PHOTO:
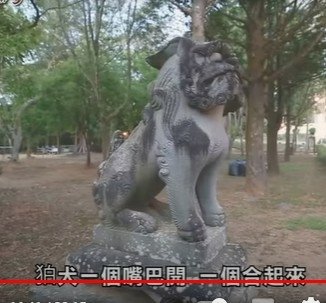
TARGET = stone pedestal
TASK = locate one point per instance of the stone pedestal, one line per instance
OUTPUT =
(163, 244)
(119, 247)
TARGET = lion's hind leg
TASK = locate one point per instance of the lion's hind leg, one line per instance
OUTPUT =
(113, 212)
(119, 202)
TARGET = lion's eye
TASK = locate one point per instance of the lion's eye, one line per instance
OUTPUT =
(208, 82)
(216, 57)
(200, 59)
(220, 78)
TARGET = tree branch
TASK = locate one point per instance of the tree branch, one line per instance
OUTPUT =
(243, 5)
(86, 32)
(99, 17)
(282, 36)
(117, 110)
(71, 46)
(184, 9)
(231, 17)
(303, 53)
(24, 106)
(39, 15)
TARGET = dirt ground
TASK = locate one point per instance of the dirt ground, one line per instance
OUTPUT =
(47, 211)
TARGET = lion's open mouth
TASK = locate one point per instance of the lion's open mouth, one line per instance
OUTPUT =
(203, 103)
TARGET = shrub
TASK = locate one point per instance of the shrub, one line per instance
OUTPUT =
(321, 154)
(312, 131)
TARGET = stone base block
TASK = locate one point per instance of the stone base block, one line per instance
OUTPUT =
(93, 257)
(163, 244)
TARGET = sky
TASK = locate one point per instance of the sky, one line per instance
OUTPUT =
(175, 28)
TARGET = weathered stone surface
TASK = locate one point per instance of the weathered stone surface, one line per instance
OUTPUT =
(93, 257)
(179, 144)
(164, 244)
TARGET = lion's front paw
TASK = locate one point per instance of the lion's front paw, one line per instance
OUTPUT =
(215, 219)
(196, 235)
(145, 226)
(137, 221)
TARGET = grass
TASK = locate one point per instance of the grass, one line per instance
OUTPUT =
(314, 223)
(321, 154)
(301, 182)
(294, 167)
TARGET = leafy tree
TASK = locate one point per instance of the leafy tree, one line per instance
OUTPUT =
(197, 10)
(17, 37)
(269, 28)
(104, 38)
(19, 86)
(143, 75)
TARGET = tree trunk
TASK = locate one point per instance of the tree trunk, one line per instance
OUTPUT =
(242, 150)
(272, 153)
(88, 151)
(307, 137)
(274, 115)
(58, 143)
(82, 146)
(227, 126)
(17, 140)
(198, 20)
(76, 142)
(9, 140)
(28, 147)
(17, 134)
(256, 180)
(295, 138)
(88, 158)
(105, 140)
(287, 152)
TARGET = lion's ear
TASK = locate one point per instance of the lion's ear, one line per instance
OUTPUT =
(177, 45)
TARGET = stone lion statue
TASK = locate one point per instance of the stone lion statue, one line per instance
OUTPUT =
(178, 144)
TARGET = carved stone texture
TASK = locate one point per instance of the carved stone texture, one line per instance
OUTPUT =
(164, 244)
(93, 257)
(179, 143)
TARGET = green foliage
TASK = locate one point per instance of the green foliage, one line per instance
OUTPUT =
(302, 101)
(16, 36)
(143, 75)
(80, 82)
(321, 154)
(312, 131)
(221, 26)
(150, 22)
(315, 223)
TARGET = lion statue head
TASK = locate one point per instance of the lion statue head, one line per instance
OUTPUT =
(209, 73)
